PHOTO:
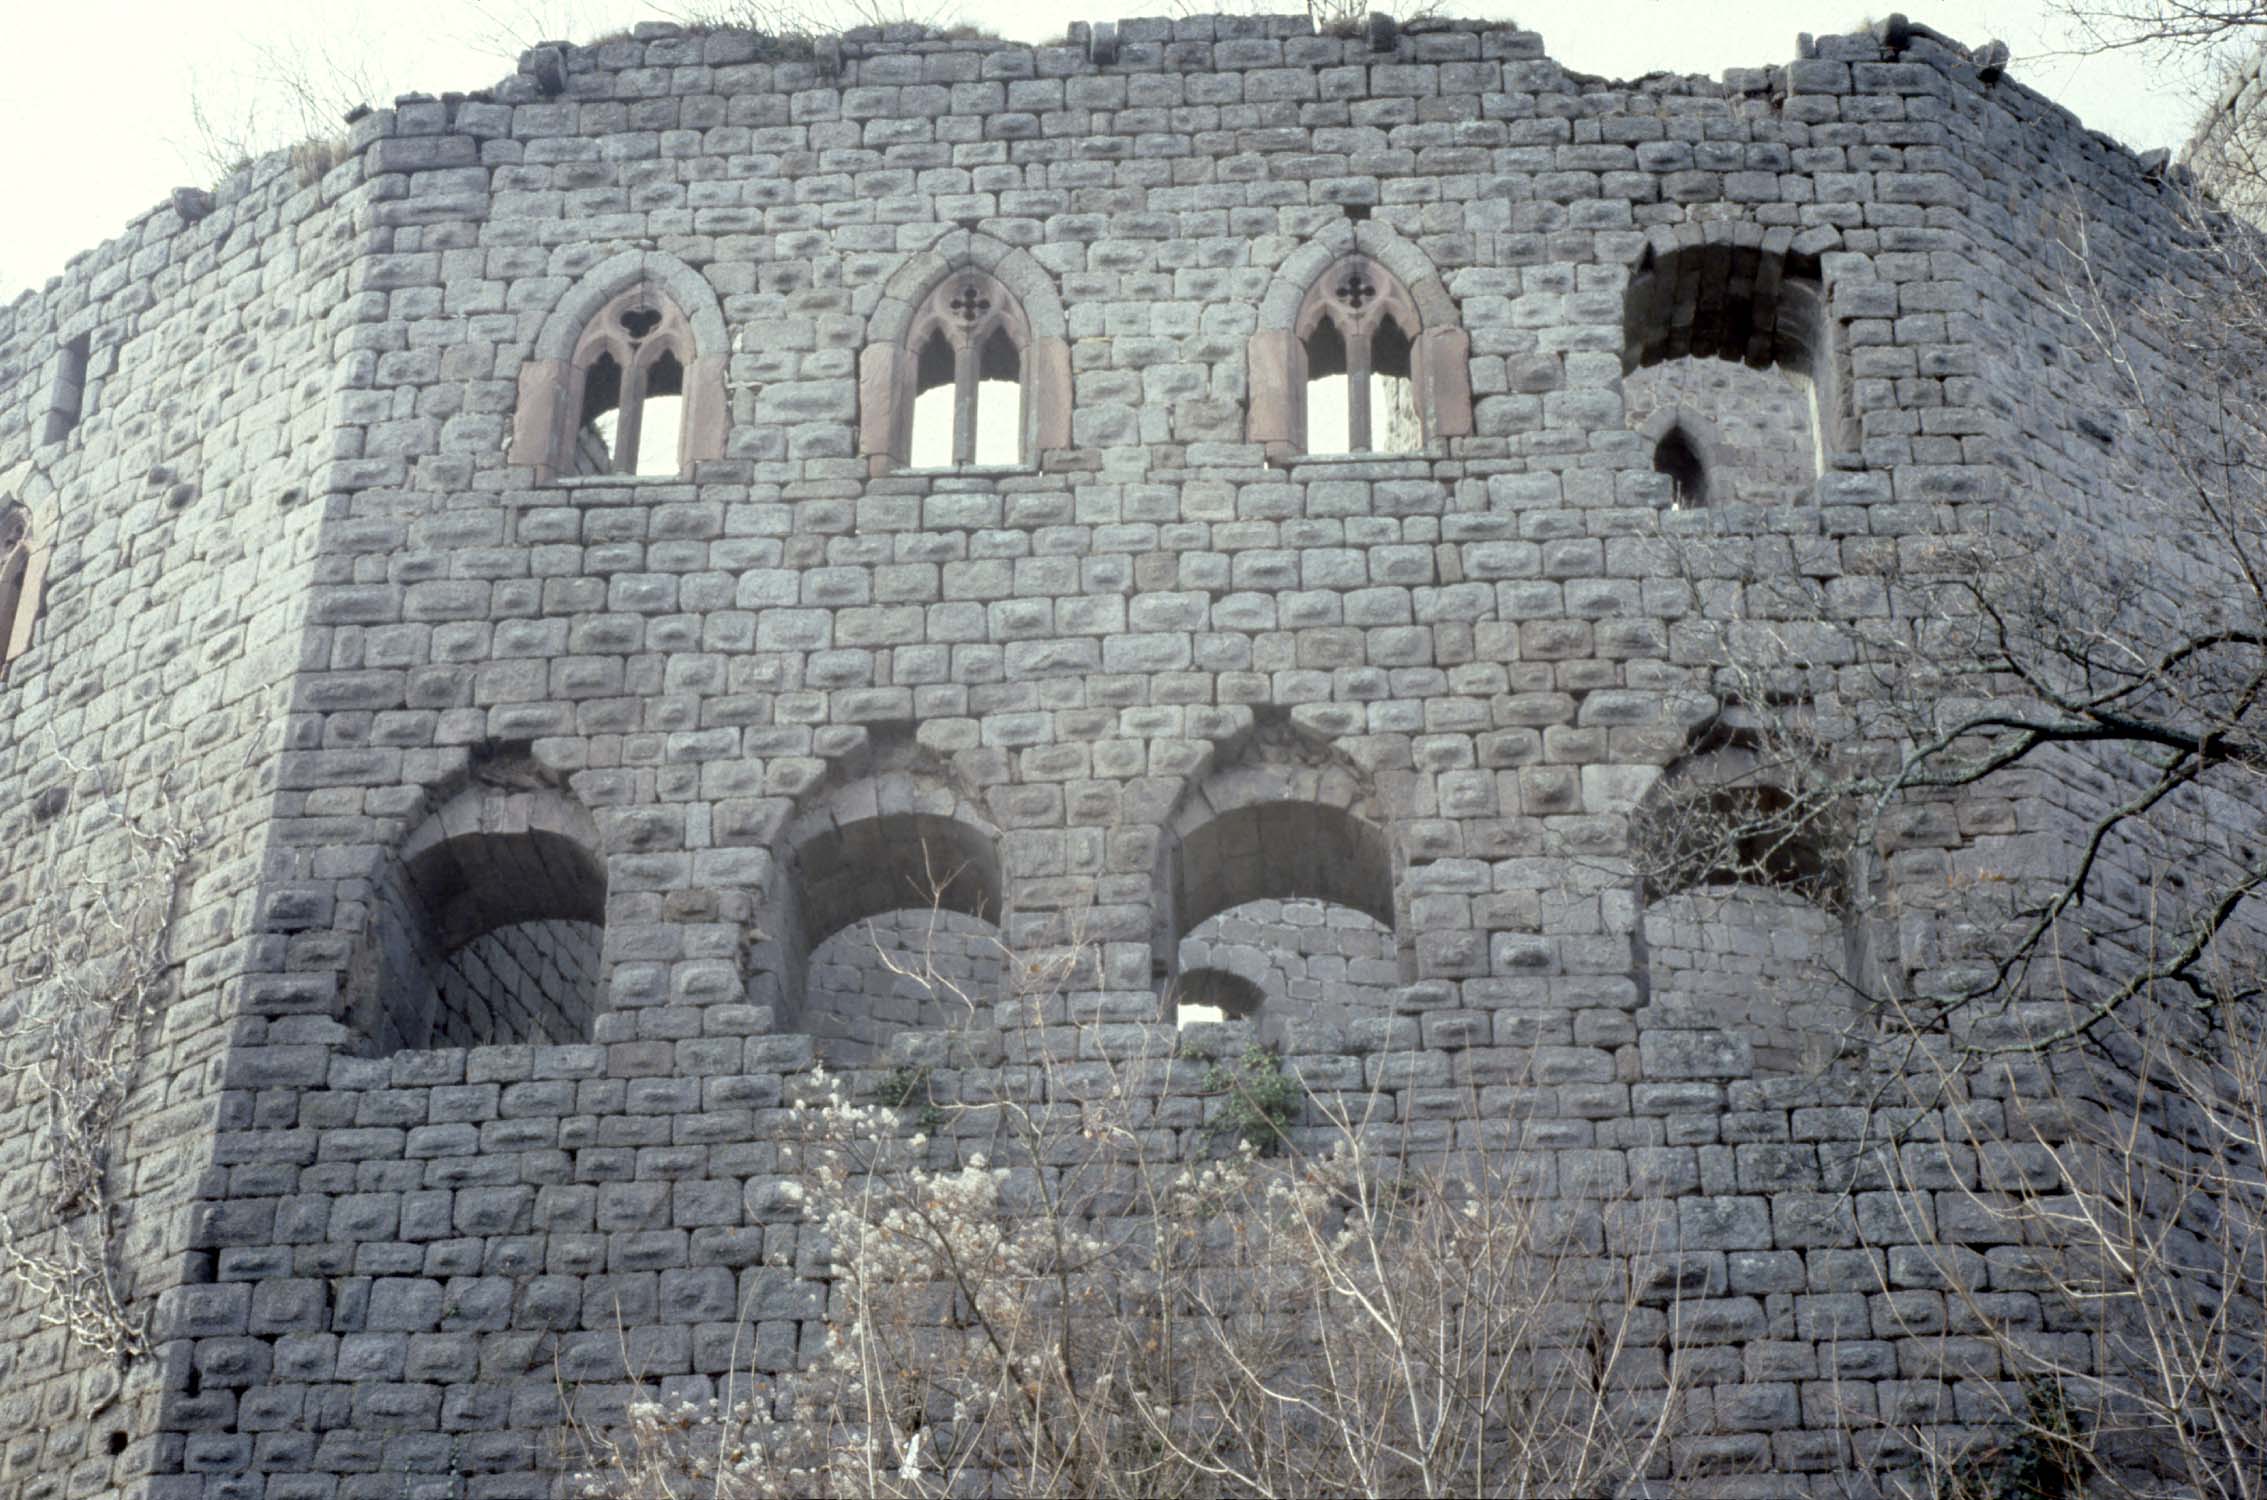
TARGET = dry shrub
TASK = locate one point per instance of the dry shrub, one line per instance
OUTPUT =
(1041, 1299)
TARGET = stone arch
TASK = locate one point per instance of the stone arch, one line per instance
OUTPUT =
(489, 922)
(1273, 833)
(27, 547)
(1025, 308)
(1753, 297)
(885, 907)
(687, 327)
(1751, 954)
(1237, 996)
(1408, 293)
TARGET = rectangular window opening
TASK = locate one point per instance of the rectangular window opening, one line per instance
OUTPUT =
(67, 403)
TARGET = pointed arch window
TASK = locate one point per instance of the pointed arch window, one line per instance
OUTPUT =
(627, 378)
(967, 360)
(1677, 457)
(1356, 333)
(22, 571)
(628, 388)
(1359, 360)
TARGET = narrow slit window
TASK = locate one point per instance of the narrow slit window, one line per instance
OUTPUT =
(934, 400)
(600, 429)
(66, 404)
(1675, 456)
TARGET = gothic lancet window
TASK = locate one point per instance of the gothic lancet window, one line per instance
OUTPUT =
(1357, 330)
(970, 346)
(1358, 351)
(628, 375)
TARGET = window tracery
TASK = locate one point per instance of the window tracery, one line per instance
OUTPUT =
(969, 347)
(629, 388)
(1365, 360)
(626, 377)
(1358, 328)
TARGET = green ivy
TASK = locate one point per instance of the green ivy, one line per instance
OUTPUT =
(1262, 1100)
(2042, 1462)
(906, 1085)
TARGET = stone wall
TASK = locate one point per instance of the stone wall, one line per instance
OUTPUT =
(167, 417)
(331, 576)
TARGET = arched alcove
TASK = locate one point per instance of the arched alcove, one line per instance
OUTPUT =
(884, 916)
(1276, 868)
(489, 926)
(1752, 958)
(1269, 959)
(1728, 328)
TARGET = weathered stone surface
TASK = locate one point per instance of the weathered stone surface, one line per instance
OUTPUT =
(554, 821)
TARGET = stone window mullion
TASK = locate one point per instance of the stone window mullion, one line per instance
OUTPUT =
(1358, 390)
(629, 418)
(967, 371)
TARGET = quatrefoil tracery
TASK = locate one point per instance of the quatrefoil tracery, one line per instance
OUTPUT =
(969, 303)
(1356, 288)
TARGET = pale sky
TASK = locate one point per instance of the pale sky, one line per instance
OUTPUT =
(97, 121)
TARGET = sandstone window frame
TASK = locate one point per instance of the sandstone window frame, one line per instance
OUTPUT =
(15, 579)
(967, 289)
(1356, 276)
(630, 314)
(27, 532)
(969, 317)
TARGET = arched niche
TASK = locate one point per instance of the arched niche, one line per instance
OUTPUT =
(1355, 315)
(1727, 327)
(1269, 960)
(489, 925)
(1753, 959)
(639, 338)
(884, 917)
(1276, 866)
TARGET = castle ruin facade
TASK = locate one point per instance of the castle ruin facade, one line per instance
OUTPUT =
(578, 580)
